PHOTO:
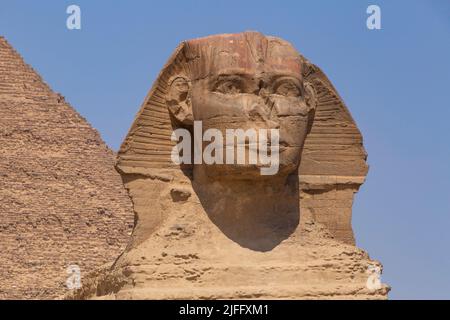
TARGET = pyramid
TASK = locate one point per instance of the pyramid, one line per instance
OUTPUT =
(61, 201)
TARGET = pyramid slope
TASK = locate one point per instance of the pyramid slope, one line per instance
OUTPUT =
(61, 200)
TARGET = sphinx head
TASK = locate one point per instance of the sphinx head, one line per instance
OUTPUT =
(248, 91)
(242, 81)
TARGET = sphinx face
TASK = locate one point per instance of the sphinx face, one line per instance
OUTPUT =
(252, 84)
(256, 86)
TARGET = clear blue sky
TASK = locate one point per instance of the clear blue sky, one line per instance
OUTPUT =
(396, 82)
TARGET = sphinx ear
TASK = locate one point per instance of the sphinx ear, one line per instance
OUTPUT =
(178, 99)
(310, 95)
(311, 101)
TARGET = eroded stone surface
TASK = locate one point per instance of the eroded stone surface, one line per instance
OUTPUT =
(238, 234)
(61, 201)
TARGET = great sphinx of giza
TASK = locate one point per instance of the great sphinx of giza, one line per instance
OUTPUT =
(224, 230)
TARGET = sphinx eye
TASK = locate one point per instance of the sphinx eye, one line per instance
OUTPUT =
(230, 86)
(288, 88)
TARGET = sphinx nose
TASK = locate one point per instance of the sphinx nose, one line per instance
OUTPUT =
(257, 106)
(258, 110)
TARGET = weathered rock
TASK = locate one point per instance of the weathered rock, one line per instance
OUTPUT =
(240, 234)
(61, 200)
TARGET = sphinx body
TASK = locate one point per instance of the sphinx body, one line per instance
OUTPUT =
(218, 231)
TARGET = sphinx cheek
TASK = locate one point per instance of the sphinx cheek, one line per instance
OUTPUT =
(292, 115)
(293, 130)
